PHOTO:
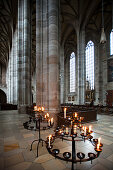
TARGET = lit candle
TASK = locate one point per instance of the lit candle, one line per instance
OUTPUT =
(49, 140)
(75, 129)
(52, 120)
(98, 146)
(35, 108)
(83, 128)
(42, 108)
(75, 114)
(89, 128)
(66, 130)
(64, 112)
(47, 114)
(38, 108)
(99, 141)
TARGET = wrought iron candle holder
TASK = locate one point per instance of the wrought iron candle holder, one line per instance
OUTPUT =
(39, 119)
(76, 133)
(33, 123)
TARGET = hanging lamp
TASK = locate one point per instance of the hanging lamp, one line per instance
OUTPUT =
(103, 36)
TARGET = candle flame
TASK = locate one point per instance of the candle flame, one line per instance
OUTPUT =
(42, 108)
(35, 108)
(50, 136)
(75, 114)
(47, 114)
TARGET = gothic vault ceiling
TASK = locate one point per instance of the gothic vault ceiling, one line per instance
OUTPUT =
(74, 15)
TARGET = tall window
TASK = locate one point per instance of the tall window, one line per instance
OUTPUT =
(111, 42)
(90, 64)
(72, 72)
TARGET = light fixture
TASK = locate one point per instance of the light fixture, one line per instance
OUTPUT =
(103, 36)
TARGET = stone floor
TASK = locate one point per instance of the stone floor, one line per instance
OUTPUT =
(15, 144)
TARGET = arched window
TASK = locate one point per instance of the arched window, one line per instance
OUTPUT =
(111, 42)
(72, 72)
(90, 64)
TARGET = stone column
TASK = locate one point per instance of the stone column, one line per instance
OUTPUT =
(0, 73)
(41, 53)
(81, 66)
(15, 71)
(47, 55)
(12, 70)
(102, 74)
(54, 99)
(24, 55)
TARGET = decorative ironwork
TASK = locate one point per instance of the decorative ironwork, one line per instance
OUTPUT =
(75, 133)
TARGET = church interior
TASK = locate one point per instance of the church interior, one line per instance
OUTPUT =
(56, 84)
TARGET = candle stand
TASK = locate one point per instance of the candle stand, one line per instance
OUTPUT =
(76, 134)
(39, 119)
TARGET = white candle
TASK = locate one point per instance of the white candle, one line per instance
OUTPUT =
(52, 120)
(47, 114)
(64, 112)
(35, 108)
(42, 108)
(99, 141)
(49, 140)
(75, 130)
(66, 130)
(89, 128)
(98, 146)
(83, 128)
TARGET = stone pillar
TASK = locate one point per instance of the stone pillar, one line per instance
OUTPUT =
(0, 73)
(102, 74)
(54, 99)
(12, 70)
(47, 55)
(81, 66)
(41, 53)
(24, 55)
(15, 69)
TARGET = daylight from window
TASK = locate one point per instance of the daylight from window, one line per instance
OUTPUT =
(90, 64)
(111, 42)
(72, 72)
